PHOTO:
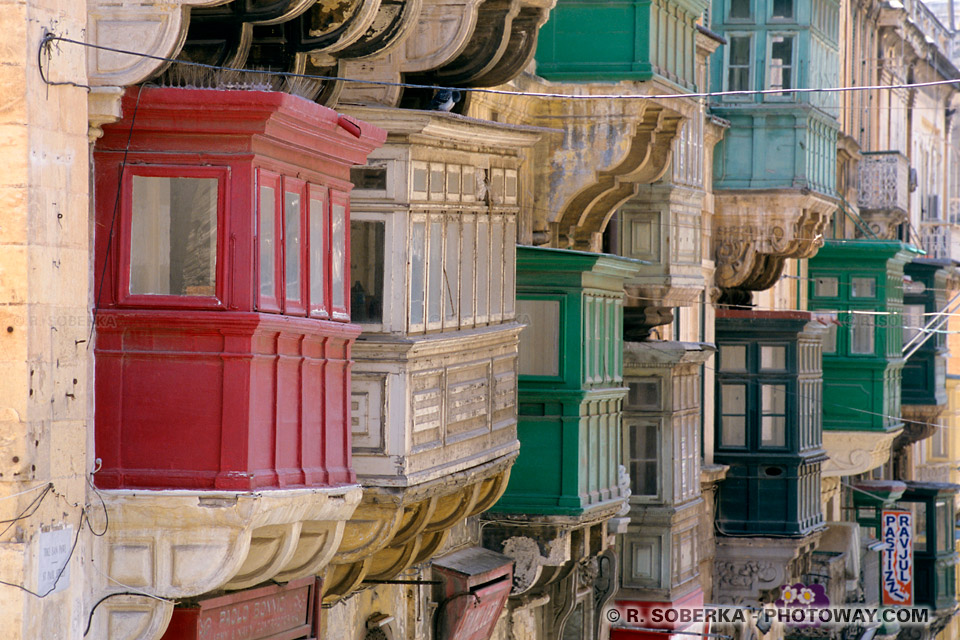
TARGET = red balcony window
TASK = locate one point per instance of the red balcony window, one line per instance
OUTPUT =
(223, 335)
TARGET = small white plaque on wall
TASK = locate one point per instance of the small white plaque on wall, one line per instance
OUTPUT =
(54, 556)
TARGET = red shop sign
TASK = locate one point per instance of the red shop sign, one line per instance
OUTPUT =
(275, 612)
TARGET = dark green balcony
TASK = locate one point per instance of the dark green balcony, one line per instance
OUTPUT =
(571, 386)
(934, 554)
(614, 40)
(768, 428)
(925, 371)
(862, 282)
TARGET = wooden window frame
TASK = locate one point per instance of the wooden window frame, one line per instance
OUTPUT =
(318, 308)
(298, 187)
(341, 313)
(267, 178)
(124, 234)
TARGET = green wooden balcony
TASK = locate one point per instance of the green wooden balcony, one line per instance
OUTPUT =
(925, 372)
(862, 281)
(571, 386)
(614, 40)
(768, 422)
(934, 555)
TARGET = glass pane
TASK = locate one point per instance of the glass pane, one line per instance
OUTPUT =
(781, 62)
(825, 287)
(734, 398)
(739, 79)
(919, 526)
(773, 431)
(861, 332)
(773, 358)
(739, 50)
(863, 287)
(418, 247)
(173, 236)
(435, 290)
(509, 267)
(733, 357)
(291, 241)
(483, 267)
(451, 271)
(944, 515)
(468, 239)
(496, 267)
(366, 271)
(268, 263)
(740, 8)
(643, 459)
(830, 339)
(773, 398)
(539, 350)
(317, 254)
(782, 8)
(644, 394)
(338, 241)
(913, 321)
(733, 431)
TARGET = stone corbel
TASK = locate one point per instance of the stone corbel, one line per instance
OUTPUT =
(756, 232)
(103, 107)
(746, 568)
(180, 544)
(585, 197)
(157, 28)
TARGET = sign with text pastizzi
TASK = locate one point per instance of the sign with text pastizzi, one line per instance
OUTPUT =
(896, 565)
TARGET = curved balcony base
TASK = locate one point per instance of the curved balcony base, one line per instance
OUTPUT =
(854, 452)
(745, 568)
(178, 544)
(395, 528)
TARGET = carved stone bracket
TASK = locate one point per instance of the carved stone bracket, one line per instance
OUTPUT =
(145, 26)
(757, 231)
(177, 544)
(747, 568)
(854, 452)
(394, 528)
(919, 423)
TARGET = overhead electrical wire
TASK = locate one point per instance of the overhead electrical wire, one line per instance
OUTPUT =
(49, 38)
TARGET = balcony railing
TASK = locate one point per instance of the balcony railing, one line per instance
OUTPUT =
(939, 240)
(884, 182)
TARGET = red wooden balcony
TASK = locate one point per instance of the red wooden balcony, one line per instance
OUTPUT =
(223, 333)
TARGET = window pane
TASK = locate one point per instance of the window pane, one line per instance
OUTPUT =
(913, 321)
(773, 431)
(781, 62)
(740, 8)
(435, 290)
(734, 398)
(173, 236)
(739, 50)
(861, 332)
(944, 515)
(782, 8)
(267, 242)
(773, 358)
(825, 287)
(366, 271)
(467, 268)
(539, 350)
(830, 339)
(291, 241)
(483, 266)
(733, 358)
(733, 431)
(773, 398)
(496, 267)
(338, 214)
(863, 287)
(644, 394)
(418, 247)
(643, 460)
(317, 253)
(509, 267)
(451, 271)
(919, 526)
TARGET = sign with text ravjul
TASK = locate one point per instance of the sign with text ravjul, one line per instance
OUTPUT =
(896, 566)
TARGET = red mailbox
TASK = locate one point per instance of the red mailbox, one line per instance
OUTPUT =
(274, 612)
(474, 585)
(223, 334)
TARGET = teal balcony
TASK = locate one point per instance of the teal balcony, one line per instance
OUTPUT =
(934, 556)
(925, 371)
(614, 40)
(571, 387)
